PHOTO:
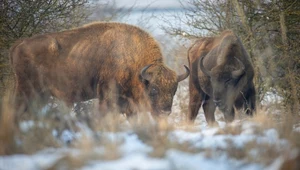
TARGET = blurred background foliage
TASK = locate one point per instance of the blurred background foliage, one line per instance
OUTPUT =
(269, 30)
(23, 18)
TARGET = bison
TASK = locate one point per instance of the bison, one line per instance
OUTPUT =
(120, 64)
(221, 76)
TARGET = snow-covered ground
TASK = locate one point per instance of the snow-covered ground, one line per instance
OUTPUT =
(245, 144)
(241, 145)
(207, 149)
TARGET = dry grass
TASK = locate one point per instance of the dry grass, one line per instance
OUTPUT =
(268, 152)
(103, 142)
(157, 135)
(7, 129)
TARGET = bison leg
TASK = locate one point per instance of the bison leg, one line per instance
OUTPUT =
(247, 101)
(20, 103)
(29, 101)
(28, 94)
(127, 106)
(209, 111)
(194, 106)
(108, 98)
(252, 106)
(229, 114)
(196, 98)
(251, 101)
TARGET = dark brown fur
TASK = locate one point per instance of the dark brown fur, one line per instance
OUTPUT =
(99, 60)
(221, 55)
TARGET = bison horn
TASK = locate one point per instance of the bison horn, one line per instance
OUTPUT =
(203, 69)
(185, 75)
(144, 74)
(239, 72)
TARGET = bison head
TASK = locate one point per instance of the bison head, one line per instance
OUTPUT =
(224, 80)
(160, 85)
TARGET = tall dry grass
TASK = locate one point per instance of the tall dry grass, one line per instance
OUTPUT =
(102, 132)
(7, 127)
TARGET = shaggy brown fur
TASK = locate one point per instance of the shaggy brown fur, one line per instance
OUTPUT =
(224, 81)
(99, 60)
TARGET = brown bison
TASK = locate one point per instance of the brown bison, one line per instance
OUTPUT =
(119, 64)
(221, 76)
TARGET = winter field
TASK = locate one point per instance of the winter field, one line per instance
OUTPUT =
(59, 138)
(264, 142)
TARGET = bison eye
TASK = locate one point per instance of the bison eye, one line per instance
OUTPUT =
(153, 91)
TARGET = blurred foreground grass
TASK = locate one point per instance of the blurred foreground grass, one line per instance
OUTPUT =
(161, 136)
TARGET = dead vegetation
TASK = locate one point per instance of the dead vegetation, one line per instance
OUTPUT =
(7, 129)
(105, 141)
(102, 137)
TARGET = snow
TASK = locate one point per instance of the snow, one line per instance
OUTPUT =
(296, 127)
(132, 161)
(40, 160)
(187, 161)
(200, 147)
(133, 145)
(207, 149)
(210, 151)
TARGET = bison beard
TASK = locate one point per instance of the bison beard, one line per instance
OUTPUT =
(119, 64)
(221, 76)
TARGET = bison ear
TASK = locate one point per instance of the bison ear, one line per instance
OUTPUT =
(144, 74)
(185, 75)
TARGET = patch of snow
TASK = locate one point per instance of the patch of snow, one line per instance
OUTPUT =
(133, 161)
(296, 127)
(248, 128)
(25, 126)
(210, 131)
(67, 136)
(276, 164)
(212, 142)
(271, 97)
(135, 153)
(133, 145)
(181, 160)
(271, 134)
(38, 161)
(210, 148)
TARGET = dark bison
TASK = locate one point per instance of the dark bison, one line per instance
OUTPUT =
(119, 64)
(221, 76)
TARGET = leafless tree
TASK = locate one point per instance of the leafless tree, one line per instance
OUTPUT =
(268, 29)
(24, 18)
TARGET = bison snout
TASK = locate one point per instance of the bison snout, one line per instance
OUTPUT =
(165, 112)
(217, 102)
